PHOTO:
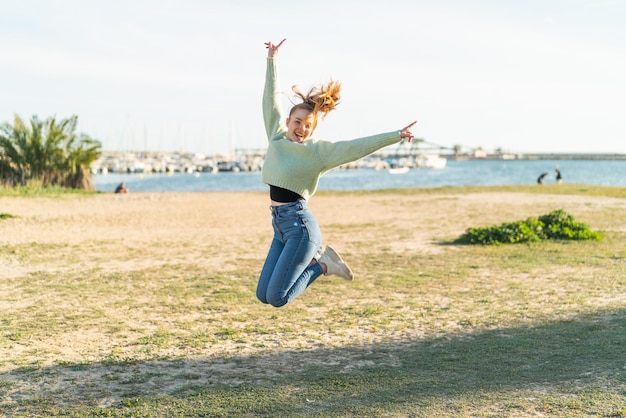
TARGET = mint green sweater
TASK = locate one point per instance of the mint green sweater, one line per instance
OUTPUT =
(298, 167)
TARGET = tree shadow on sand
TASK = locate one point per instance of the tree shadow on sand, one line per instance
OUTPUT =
(576, 358)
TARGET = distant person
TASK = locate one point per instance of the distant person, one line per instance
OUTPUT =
(121, 188)
(541, 177)
(559, 179)
(294, 163)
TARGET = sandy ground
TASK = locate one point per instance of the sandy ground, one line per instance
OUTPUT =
(232, 220)
(239, 223)
(210, 229)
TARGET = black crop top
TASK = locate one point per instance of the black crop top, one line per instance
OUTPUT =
(278, 194)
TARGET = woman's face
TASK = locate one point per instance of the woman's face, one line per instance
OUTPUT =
(300, 125)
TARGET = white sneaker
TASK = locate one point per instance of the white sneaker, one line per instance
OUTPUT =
(335, 264)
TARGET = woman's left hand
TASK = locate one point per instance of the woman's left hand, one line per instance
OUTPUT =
(406, 133)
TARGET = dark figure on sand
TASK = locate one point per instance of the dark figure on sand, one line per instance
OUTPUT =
(559, 179)
(541, 177)
(121, 188)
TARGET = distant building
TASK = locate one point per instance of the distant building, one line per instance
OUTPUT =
(479, 153)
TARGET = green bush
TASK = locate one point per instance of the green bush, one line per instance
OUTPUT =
(556, 225)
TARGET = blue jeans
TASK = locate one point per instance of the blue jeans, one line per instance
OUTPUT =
(297, 238)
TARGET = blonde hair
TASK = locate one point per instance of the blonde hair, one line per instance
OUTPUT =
(318, 99)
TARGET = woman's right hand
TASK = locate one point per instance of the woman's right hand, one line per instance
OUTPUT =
(272, 49)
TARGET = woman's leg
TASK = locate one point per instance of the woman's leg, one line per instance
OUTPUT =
(293, 272)
(297, 238)
(268, 268)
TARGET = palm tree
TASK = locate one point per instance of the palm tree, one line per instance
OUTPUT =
(47, 152)
(14, 146)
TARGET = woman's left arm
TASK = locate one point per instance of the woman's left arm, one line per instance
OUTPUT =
(334, 154)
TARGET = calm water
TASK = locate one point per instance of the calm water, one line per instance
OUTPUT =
(457, 173)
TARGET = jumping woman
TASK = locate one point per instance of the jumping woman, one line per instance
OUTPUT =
(294, 163)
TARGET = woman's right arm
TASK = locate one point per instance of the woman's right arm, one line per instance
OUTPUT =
(272, 109)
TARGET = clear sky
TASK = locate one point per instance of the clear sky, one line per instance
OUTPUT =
(187, 75)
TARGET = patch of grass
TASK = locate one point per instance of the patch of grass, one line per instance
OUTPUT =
(546, 189)
(158, 339)
(563, 368)
(36, 190)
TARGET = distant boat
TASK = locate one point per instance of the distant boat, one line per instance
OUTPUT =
(398, 170)
(228, 166)
(431, 161)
